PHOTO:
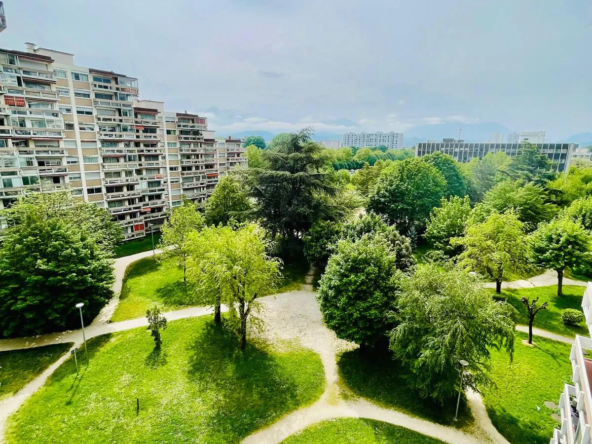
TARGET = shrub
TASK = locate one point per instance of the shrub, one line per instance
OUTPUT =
(571, 316)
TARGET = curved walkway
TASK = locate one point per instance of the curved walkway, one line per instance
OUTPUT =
(547, 279)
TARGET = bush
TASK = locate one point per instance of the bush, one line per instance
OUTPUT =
(571, 316)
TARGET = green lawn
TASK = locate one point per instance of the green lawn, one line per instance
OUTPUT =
(358, 430)
(19, 367)
(549, 319)
(200, 388)
(136, 246)
(536, 375)
(378, 377)
(148, 283)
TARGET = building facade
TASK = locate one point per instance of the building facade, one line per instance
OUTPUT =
(497, 138)
(332, 144)
(527, 136)
(575, 402)
(67, 127)
(461, 151)
(393, 141)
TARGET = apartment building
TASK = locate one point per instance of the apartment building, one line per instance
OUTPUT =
(497, 138)
(393, 141)
(527, 136)
(231, 154)
(68, 127)
(575, 402)
(332, 144)
(461, 151)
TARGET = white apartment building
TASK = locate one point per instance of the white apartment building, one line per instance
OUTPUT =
(332, 144)
(68, 127)
(575, 403)
(527, 136)
(393, 141)
(497, 138)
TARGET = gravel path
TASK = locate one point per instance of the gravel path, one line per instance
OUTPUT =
(545, 334)
(547, 279)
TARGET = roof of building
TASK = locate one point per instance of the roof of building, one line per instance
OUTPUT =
(111, 73)
(29, 55)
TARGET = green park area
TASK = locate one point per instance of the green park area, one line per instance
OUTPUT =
(358, 430)
(19, 367)
(516, 400)
(198, 387)
(137, 246)
(550, 318)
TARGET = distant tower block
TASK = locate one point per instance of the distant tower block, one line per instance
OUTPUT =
(2, 18)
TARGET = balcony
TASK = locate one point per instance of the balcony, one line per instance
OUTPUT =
(115, 119)
(121, 181)
(196, 126)
(146, 122)
(151, 137)
(122, 195)
(36, 75)
(190, 138)
(192, 162)
(125, 209)
(43, 95)
(587, 306)
(112, 103)
(53, 171)
(119, 166)
(115, 135)
(50, 153)
(29, 133)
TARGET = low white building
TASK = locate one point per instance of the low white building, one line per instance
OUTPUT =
(393, 141)
(331, 144)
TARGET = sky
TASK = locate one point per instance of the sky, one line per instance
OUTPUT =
(335, 65)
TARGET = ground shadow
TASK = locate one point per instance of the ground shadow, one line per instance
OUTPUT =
(156, 359)
(251, 389)
(175, 293)
(376, 376)
(516, 431)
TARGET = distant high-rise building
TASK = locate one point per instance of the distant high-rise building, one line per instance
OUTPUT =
(527, 136)
(497, 138)
(2, 18)
(332, 144)
(392, 140)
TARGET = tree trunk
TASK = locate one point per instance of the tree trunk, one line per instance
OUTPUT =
(498, 286)
(559, 282)
(217, 312)
(243, 325)
(185, 275)
(530, 322)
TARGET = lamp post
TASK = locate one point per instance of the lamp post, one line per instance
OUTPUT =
(79, 306)
(152, 234)
(463, 364)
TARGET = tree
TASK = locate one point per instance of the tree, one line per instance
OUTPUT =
(445, 315)
(575, 185)
(365, 178)
(529, 201)
(406, 193)
(255, 157)
(358, 290)
(531, 166)
(228, 202)
(580, 211)
(174, 242)
(257, 141)
(291, 194)
(156, 322)
(236, 264)
(558, 245)
(448, 221)
(494, 247)
(455, 181)
(49, 262)
(532, 309)
(320, 241)
(280, 139)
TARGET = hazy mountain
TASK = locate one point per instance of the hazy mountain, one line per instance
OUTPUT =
(583, 139)
(242, 134)
(472, 132)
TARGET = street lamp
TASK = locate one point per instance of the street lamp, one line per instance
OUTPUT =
(79, 307)
(152, 234)
(463, 364)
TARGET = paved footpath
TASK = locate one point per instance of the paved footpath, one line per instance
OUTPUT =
(547, 279)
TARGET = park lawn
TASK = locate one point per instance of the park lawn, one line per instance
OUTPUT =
(148, 282)
(358, 430)
(549, 319)
(536, 375)
(381, 379)
(19, 367)
(200, 388)
(136, 246)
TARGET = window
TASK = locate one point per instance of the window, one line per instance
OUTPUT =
(87, 127)
(72, 160)
(171, 144)
(115, 204)
(112, 174)
(101, 79)
(70, 143)
(171, 132)
(84, 111)
(109, 144)
(79, 77)
(96, 190)
(89, 144)
(69, 126)
(154, 184)
(82, 93)
(36, 86)
(173, 157)
(92, 175)
(172, 169)
(170, 119)
(104, 96)
(77, 192)
(60, 74)
(110, 160)
(90, 159)
(30, 180)
(75, 176)
(64, 92)
(65, 109)
(40, 105)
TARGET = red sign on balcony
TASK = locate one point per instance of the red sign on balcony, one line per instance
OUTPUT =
(212, 175)
(146, 210)
(14, 101)
(138, 227)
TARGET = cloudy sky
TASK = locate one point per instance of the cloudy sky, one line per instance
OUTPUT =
(336, 65)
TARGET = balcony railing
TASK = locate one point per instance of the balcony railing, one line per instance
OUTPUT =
(115, 119)
(120, 166)
(121, 180)
(113, 103)
(123, 195)
(61, 171)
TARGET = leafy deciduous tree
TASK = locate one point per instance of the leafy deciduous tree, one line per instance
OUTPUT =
(456, 183)
(257, 141)
(580, 211)
(532, 309)
(255, 157)
(531, 166)
(448, 221)
(228, 202)
(156, 322)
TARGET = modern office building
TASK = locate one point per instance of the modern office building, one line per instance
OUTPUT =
(332, 144)
(497, 138)
(462, 151)
(582, 153)
(527, 136)
(393, 141)
(575, 403)
(68, 127)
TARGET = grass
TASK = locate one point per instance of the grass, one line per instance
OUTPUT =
(549, 319)
(19, 367)
(536, 375)
(378, 377)
(293, 276)
(199, 388)
(136, 246)
(358, 430)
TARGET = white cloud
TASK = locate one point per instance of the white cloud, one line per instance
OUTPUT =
(255, 119)
(457, 118)
(432, 120)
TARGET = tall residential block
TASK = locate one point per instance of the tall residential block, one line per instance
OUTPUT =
(393, 141)
(68, 127)
(527, 136)
(461, 151)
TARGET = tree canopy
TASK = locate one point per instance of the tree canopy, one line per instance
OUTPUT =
(531, 166)
(257, 141)
(255, 157)
(405, 194)
(228, 202)
(447, 222)
(580, 211)
(445, 315)
(456, 183)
